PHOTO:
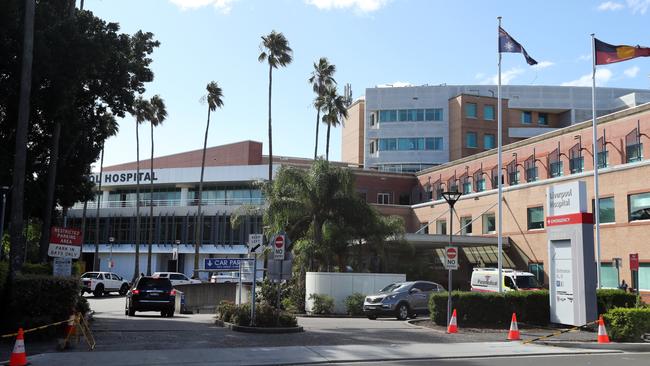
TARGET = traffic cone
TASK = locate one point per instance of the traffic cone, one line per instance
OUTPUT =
(453, 327)
(513, 334)
(69, 331)
(602, 332)
(18, 356)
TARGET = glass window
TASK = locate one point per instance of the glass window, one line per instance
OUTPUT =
(488, 112)
(513, 176)
(526, 117)
(372, 118)
(531, 173)
(465, 224)
(425, 227)
(433, 143)
(384, 198)
(644, 276)
(537, 269)
(607, 213)
(410, 144)
(603, 159)
(639, 206)
(467, 187)
(577, 164)
(388, 115)
(488, 141)
(403, 115)
(480, 184)
(557, 169)
(387, 144)
(441, 227)
(535, 218)
(470, 110)
(608, 275)
(470, 139)
(542, 119)
(634, 152)
(489, 223)
(433, 114)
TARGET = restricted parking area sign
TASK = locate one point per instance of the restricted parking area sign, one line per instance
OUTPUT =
(451, 258)
(64, 243)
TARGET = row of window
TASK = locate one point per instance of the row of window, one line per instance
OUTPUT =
(471, 140)
(408, 115)
(407, 144)
(471, 111)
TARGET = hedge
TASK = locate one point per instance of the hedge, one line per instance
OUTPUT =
(627, 325)
(265, 315)
(4, 272)
(609, 299)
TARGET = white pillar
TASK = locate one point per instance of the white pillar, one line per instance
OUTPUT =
(105, 198)
(184, 193)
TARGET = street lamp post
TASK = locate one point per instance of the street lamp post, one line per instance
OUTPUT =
(451, 198)
(111, 240)
(177, 242)
(4, 190)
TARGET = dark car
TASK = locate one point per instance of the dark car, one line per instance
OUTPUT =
(151, 294)
(402, 300)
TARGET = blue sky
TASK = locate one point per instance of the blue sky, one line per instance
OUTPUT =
(371, 42)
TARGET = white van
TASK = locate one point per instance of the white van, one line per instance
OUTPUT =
(485, 280)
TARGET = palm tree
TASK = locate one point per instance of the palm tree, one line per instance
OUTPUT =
(335, 111)
(214, 99)
(276, 52)
(321, 78)
(158, 115)
(142, 111)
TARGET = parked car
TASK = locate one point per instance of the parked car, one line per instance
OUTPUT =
(402, 300)
(224, 277)
(176, 278)
(151, 294)
(100, 283)
(486, 280)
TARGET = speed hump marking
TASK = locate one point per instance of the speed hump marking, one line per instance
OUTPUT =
(451, 258)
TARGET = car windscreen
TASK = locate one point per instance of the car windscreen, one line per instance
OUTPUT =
(394, 287)
(524, 282)
(90, 275)
(154, 284)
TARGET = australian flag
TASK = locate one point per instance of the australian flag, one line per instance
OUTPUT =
(508, 44)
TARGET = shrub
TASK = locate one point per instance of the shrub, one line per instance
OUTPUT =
(267, 292)
(43, 269)
(4, 272)
(323, 304)
(354, 303)
(627, 325)
(610, 298)
(82, 306)
(265, 315)
(225, 310)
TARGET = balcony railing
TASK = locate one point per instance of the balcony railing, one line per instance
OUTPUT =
(173, 203)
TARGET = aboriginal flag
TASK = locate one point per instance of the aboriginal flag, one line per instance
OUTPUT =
(508, 44)
(609, 54)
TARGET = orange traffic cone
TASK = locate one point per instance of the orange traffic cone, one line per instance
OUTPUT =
(18, 356)
(69, 331)
(453, 326)
(602, 332)
(513, 334)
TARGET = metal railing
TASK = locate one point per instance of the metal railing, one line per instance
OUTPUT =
(172, 203)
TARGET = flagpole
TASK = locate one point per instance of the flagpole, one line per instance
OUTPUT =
(499, 177)
(595, 152)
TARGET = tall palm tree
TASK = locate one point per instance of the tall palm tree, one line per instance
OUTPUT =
(321, 78)
(336, 110)
(142, 111)
(158, 115)
(276, 52)
(214, 100)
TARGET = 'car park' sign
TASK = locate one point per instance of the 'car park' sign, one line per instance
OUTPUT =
(451, 258)
(64, 243)
(222, 264)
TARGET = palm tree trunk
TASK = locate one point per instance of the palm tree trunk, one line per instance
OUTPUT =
(16, 231)
(99, 205)
(150, 206)
(136, 270)
(317, 124)
(198, 236)
(51, 188)
(270, 131)
(327, 149)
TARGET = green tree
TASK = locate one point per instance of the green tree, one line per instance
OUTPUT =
(335, 111)
(214, 101)
(158, 116)
(276, 52)
(321, 78)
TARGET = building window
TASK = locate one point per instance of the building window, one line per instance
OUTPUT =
(388, 116)
(537, 269)
(470, 110)
(644, 276)
(577, 164)
(531, 169)
(607, 213)
(441, 227)
(384, 198)
(373, 146)
(557, 169)
(535, 217)
(489, 223)
(433, 114)
(488, 112)
(542, 119)
(639, 206)
(603, 159)
(480, 184)
(372, 118)
(513, 173)
(467, 186)
(406, 144)
(387, 144)
(488, 141)
(608, 275)
(470, 140)
(634, 152)
(527, 117)
(433, 143)
(424, 226)
(466, 225)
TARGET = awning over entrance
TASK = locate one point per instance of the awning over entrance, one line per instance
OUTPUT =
(168, 248)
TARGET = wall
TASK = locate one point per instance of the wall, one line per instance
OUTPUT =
(204, 297)
(342, 285)
(353, 133)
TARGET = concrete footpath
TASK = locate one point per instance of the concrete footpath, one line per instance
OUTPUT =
(304, 354)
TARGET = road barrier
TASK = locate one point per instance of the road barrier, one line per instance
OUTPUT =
(80, 325)
(559, 332)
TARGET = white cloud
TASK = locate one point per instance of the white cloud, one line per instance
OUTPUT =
(543, 64)
(602, 77)
(585, 57)
(365, 6)
(506, 76)
(610, 5)
(223, 6)
(638, 6)
(632, 72)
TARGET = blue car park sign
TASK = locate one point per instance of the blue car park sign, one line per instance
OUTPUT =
(222, 264)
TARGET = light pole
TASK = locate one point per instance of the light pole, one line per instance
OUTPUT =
(3, 190)
(451, 198)
(177, 243)
(111, 240)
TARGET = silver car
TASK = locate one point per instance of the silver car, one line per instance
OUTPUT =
(402, 300)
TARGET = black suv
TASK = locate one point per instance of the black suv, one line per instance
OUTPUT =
(151, 294)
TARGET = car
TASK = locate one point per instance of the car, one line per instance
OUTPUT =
(176, 278)
(224, 277)
(401, 299)
(151, 294)
(101, 283)
(486, 280)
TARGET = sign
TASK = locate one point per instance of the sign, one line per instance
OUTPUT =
(255, 239)
(568, 198)
(62, 267)
(634, 261)
(111, 263)
(278, 247)
(64, 243)
(175, 254)
(451, 258)
(222, 264)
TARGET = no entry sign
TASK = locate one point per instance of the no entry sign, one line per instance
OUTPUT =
(451, 258)
(64, 242)
(278, 247)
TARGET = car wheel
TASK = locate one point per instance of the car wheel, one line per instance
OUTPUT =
(124, 289)
(99, 290)
(372, 317)
(402, 311)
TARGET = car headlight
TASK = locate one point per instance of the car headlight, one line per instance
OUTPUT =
(391, 297)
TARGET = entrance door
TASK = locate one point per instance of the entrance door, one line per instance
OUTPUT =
(171, 265)
(561, 282)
